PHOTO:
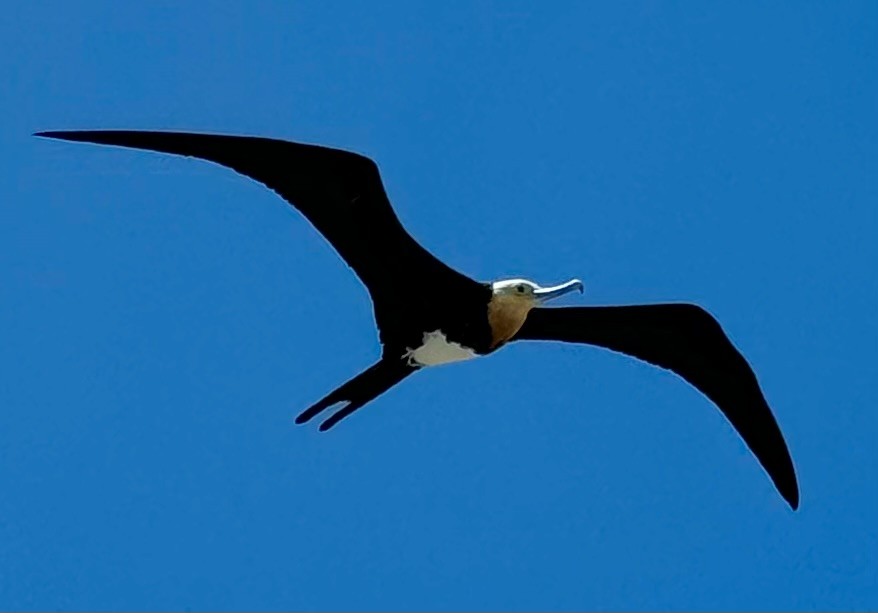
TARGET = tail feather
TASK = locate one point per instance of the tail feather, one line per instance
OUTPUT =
(357, 392)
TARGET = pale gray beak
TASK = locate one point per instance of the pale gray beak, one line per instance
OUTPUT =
(544, 294)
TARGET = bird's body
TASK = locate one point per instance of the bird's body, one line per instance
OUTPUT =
(429, 314)
(435, 349)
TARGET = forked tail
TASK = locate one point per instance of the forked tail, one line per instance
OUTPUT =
(366, 386)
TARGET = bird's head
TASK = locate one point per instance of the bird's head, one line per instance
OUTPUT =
(529, 293)
(513, 299)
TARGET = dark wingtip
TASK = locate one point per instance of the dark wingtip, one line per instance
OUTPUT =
(791, 495)
(786, 482)
(55, 134)
(783, 473)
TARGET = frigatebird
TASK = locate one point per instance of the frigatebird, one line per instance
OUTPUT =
(428, 314)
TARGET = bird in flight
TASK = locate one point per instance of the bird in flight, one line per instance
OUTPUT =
(428, 314)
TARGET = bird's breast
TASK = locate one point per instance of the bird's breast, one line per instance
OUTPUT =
(436, 349)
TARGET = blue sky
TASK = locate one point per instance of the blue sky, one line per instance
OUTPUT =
(164, 320)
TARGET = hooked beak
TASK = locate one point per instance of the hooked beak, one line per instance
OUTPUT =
(544, 294)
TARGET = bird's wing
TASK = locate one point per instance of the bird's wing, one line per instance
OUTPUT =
(687, 340)
(339, 192)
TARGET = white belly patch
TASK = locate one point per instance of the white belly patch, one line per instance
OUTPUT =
(436, 349)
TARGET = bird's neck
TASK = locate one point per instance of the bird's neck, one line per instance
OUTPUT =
(506, 315)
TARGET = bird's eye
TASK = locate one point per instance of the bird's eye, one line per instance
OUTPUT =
(520, 289)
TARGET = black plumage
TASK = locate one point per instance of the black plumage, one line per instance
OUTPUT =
(415, 295)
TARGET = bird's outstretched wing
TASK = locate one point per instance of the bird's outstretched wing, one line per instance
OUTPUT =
(687, 340)
(339, 192)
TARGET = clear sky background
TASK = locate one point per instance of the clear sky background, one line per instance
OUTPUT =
(163, 320)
